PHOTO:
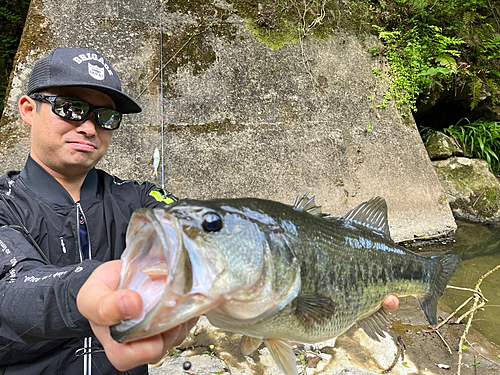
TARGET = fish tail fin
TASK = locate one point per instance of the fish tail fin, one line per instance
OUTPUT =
(446, 266)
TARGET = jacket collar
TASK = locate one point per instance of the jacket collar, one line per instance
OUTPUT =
(44, 185)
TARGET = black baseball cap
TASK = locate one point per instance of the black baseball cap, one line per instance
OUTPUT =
(83, 68)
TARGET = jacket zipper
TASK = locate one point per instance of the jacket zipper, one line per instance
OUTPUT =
(78, 208)
(87, 358)
(79, 211)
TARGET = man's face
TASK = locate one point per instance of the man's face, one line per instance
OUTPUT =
(66, 147)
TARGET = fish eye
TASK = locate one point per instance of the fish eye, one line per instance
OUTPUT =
(212, 222)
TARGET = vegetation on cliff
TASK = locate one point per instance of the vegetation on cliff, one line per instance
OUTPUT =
(436, 46)
(12, 18)
(432, 46)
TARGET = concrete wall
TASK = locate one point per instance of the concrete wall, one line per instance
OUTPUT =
(240, 118)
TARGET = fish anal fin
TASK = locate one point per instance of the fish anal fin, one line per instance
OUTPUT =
(446, 266)
(375, 325)
(283, 355)
(371, 214)
(311, 309)
(249, 344)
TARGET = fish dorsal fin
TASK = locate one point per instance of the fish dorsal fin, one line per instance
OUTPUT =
(282, 353)
(311, 309)
(249, 344)
(371, 214)
(375, 324)
(306, 203)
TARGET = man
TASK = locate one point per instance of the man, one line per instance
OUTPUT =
(63, 226)
(75, 219)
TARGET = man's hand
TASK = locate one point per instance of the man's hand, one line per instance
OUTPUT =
(391, 302)
(104, 306)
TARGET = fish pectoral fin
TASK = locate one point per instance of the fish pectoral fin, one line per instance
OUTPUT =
(249, 344)
(375, 325)
(311, 309)
(282, 353)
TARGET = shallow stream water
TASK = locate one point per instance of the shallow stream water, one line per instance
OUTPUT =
(479, 247)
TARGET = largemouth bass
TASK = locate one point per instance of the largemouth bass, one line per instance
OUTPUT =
(272, 272)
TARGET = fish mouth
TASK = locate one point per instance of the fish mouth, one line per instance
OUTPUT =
(157, 265)
(151, 268)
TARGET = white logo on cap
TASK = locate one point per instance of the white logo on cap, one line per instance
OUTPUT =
(92, 56)
(96, 72)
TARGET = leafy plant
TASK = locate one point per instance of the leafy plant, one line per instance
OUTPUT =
(433, 46)
(480, 139)
(427, 133)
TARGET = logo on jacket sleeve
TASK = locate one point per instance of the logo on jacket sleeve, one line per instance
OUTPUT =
(162, 195)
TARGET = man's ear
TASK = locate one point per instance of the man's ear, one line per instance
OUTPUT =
(27, 109)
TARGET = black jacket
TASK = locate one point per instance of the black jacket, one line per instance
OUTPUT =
(41, 328)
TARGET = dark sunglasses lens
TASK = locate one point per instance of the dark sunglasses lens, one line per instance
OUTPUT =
(70, 109)
(108, 118)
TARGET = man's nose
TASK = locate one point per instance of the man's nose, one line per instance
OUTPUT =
(88, 126)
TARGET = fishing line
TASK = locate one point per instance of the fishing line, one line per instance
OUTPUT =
(161, 102)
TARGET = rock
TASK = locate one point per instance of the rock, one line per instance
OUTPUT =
(442, 146)
(213, 351)
(472, 190)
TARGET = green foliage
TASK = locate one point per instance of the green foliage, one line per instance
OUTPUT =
(12, 15)
(480, 139)
(434, 46)
(476, 91)
(427, 133)
(8, 15)
(420, 59)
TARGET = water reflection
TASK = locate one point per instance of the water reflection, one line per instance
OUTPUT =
(479, 247)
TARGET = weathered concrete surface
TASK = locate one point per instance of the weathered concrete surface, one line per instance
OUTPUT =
(241, 119)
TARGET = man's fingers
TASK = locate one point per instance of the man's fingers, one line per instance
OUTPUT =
(130, 355)
(391, 302)
(104, 306)
(99, 302)
(113, 307)
(174, 337)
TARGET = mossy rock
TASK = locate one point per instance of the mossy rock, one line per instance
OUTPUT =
(472, 190)
(441, 146)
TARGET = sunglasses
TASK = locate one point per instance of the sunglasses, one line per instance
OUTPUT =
(77, 110)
